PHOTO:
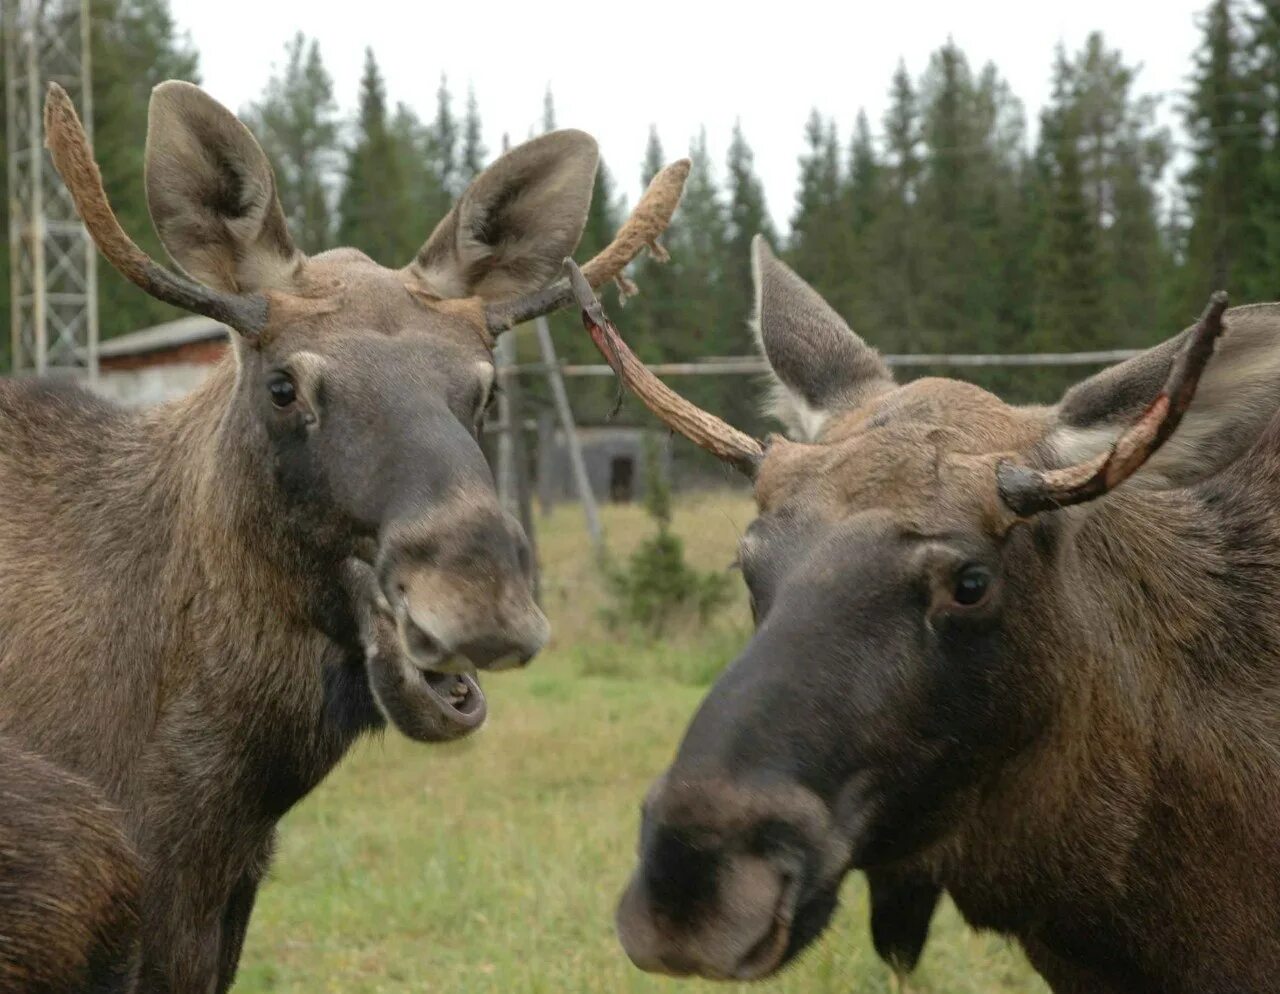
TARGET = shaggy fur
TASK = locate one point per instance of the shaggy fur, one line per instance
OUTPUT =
(1087, 760)
(176, 621)
(69, 883)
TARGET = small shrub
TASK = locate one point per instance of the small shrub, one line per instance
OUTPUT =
(656, 585)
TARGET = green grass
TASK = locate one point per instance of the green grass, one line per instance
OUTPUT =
(492, 865)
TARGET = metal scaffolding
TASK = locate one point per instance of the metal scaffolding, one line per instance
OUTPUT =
(52, 261)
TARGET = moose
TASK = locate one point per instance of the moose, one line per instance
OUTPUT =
(69, 881)
(1025, 656)
(202, 605)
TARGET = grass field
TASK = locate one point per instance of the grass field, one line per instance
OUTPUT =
(492, 865)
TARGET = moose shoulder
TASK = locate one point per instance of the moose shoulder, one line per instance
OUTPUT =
(203, 604)
(1025, 655)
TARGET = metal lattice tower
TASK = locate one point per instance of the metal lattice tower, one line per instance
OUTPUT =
(52, 261)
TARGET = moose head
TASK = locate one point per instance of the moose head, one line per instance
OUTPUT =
(351, 426)
(922, 577)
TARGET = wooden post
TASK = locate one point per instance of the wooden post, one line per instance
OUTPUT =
(576, 463)
(504, 360)
(514, 489)
(546, 455)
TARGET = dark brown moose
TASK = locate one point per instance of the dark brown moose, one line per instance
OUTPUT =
(69, 882)
(202, 605)
(1028, 656)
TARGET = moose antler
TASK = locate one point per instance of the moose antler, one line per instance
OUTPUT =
(69, 147)
(646, 223)
(1028, 491)
(703, 429)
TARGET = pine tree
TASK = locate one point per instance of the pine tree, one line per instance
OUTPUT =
(474, 153)
(864, 186)
(862, 205)
(444, 142)
(818, 226)
(959, 301)
(425, 200)
(1227, 239)
(1264, 24)
(896, 325)
(1123, 154)
(548, 110)
(375, 209)
(296, 122)
(1069, 309)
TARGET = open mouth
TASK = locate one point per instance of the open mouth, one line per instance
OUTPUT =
(456, 693)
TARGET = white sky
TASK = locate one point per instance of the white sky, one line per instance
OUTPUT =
(616, 67)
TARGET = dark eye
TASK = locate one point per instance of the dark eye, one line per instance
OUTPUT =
(972, 583)
(282, 390)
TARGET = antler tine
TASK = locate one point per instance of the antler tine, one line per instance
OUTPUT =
(649, 220)
(1027, 491)
(69, 147)
(703, 429)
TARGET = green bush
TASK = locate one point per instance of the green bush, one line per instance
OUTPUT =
(656, 586)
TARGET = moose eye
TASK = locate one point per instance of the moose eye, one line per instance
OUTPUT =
(971, 585)
(282, 389)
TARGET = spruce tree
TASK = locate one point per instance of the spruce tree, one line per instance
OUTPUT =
(1264, 25)
(375, 208)
(548, 110)
(818, 226)
(1227, 238)
(897, 232)
(474, 153)
(1070, 306)
(959, 298)
(862, 205)
(1123, 154)
(296, 122)
(444, 141)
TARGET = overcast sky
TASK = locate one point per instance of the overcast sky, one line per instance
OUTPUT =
(617, 67)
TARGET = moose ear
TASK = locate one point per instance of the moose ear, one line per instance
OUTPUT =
(212, 194)
(821, 366)
(1237, 397)
(513, 226)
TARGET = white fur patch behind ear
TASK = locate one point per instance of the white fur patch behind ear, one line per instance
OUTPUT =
(1237, 398)
(801, 421)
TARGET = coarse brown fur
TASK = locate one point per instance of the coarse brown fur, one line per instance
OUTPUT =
(176, 621)
(69, 883)
(1086, 759)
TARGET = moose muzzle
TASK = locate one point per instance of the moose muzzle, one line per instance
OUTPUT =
(733, 879)
(457, 595)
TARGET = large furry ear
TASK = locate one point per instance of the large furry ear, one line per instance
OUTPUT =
(212, 194)
(821, 365)
(1237, 397)
(513, 226)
